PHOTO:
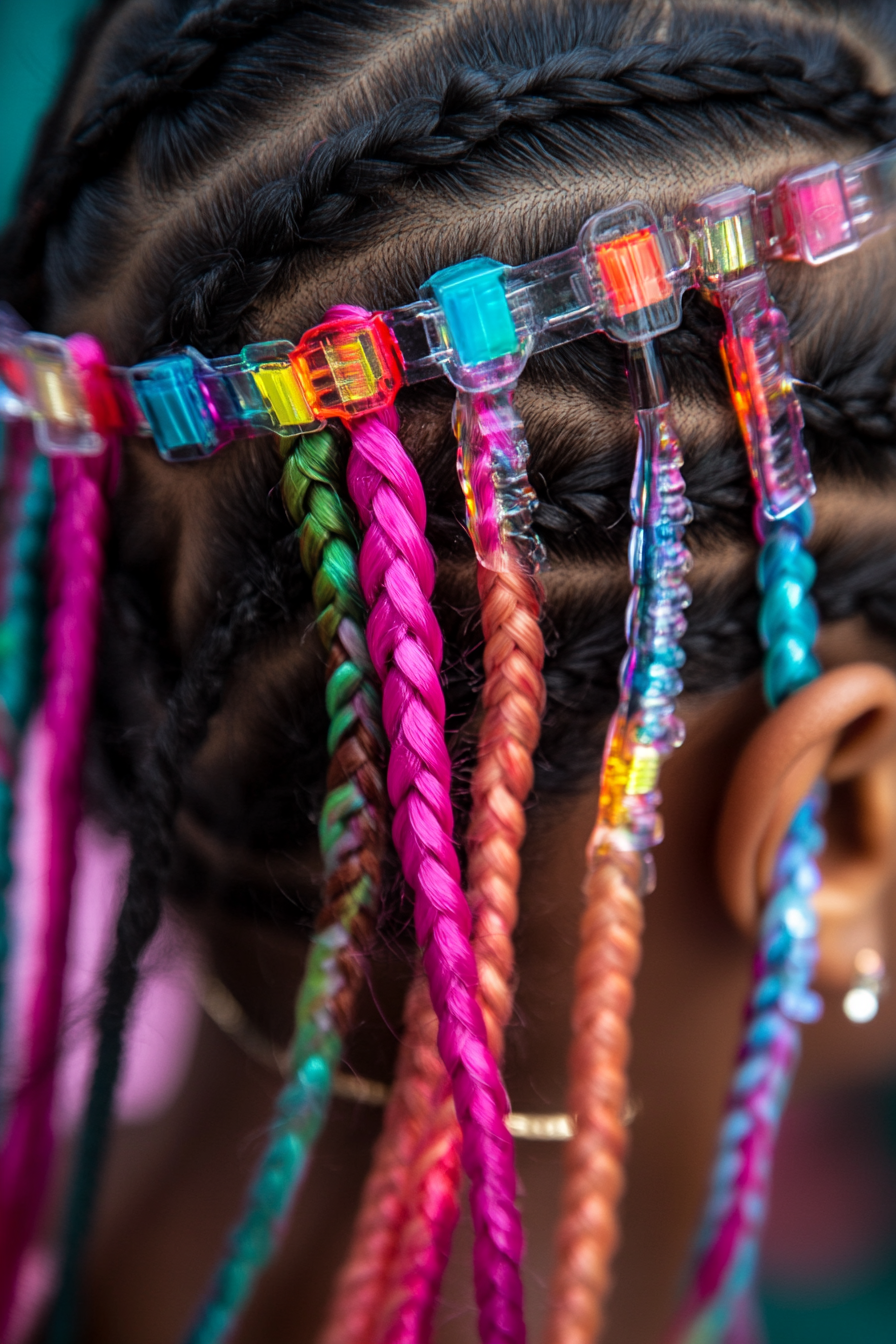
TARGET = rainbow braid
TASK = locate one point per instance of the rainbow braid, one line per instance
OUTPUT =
(351, 834)
(29, 501)
(76, 564)
(397, 577)
(719, 1307)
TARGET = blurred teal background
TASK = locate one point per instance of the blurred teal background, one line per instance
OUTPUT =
(35, 39)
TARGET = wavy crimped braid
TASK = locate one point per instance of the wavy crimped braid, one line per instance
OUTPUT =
(28, 503)
(351, 837)
(594, 1159)
(366, 1300)
(194, 700)
(397, 577)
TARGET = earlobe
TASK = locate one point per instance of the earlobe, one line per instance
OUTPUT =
(841, 727)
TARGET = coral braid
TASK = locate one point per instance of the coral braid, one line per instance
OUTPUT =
(398, 577)
(365, 1294)
(588, 1231)
(28, 503)
(351, 836)
(513, 698)
(76, 564)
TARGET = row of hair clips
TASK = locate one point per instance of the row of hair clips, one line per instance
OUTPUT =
(479, 321)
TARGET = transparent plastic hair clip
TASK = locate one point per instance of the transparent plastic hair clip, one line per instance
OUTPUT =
(826, 212)
(721, 235)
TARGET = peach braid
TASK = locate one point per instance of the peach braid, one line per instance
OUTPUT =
(421, 1083)
(588, 1230)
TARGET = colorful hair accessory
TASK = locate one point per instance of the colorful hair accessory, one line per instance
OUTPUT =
(755, 348)
(645, 728)
(351, 836)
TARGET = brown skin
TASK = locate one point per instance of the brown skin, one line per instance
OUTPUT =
(172, 1191)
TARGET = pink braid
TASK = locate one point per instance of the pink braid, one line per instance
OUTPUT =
(75, 570)
(513, 698)
(398, 576)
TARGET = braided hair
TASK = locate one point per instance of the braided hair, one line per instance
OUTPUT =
(268, 240)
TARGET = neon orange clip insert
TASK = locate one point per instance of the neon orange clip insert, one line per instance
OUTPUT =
(633, 272)
(347, 368)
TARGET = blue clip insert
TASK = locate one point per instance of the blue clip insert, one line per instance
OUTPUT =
(178, 415)
(480, 323)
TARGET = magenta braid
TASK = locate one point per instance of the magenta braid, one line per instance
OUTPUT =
(74, 582)
(397, 573)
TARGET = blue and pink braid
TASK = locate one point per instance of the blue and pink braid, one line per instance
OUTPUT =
(719, 1306)
(352, 832)
(397, 576)
(75, 564)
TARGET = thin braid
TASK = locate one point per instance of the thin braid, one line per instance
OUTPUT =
(75, 569)
(362, 1298)
(180, 733)
(397, 576)
(352, 828)
(28, 500)
(594, 1160)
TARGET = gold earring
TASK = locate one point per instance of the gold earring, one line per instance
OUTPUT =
(862, 999)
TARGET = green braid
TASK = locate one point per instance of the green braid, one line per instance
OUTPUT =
(351, 839)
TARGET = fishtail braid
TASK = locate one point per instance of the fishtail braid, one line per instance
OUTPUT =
(351, 836)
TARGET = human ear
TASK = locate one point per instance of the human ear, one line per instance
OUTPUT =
(842, 727)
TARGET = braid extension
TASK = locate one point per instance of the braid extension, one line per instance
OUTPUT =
(28, 500)
(594, 1159)
(397, 576)
(351, 836)
(492, 454)
(719, 1304)
(365, 1296)
(183, 728)
(76, 562)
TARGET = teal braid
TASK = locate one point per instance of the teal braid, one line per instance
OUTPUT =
(351, 829)
(29, 503)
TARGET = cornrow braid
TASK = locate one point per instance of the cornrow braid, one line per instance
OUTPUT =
(351, 169)
(351, 837)
(182, 730)
(105, 132)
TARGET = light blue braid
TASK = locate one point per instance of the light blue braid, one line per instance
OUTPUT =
(719, 1308)
(351, 831)
(21, 642)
